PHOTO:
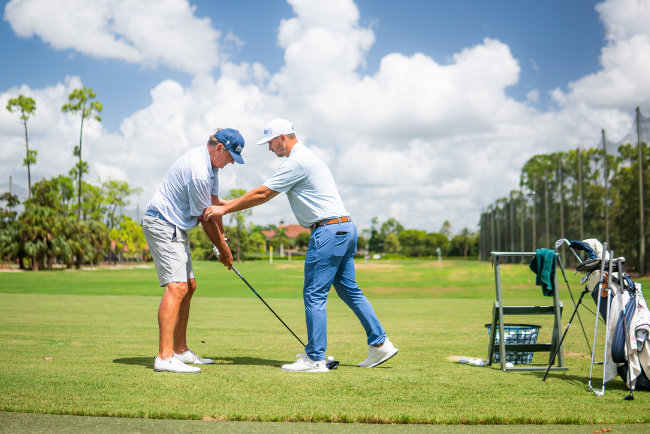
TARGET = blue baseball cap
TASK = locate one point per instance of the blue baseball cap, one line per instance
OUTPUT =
(233, 141)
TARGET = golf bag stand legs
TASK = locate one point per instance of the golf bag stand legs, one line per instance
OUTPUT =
(582, 327)
(565, 332)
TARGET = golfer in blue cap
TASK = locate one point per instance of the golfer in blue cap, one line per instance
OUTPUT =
(315, 201)
(190, 186)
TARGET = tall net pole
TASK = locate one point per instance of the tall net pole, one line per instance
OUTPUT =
(606, 179)
(512, 224)
(492, 229)
(582, 223)
(522, 216)
(498, 218)
(548, 229)
(561, 181)
(641, 220)
(534, 217)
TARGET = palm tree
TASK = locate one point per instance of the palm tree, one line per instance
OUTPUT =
(97, 239)
(12, 245)
(37, 229)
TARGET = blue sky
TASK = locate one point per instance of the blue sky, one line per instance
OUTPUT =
(424, 110)
(555, 41)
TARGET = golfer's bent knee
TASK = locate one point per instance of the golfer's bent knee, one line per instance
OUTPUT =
(177, 289)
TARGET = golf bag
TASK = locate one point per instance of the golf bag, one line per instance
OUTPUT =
(618, 348)
(629, 318)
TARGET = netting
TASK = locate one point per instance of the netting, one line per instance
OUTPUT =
(590, 192)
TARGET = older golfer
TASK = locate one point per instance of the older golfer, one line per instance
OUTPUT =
(190, 186)
(316, 203)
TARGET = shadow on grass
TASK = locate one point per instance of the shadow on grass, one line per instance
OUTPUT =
(147, 362)
(583, 381)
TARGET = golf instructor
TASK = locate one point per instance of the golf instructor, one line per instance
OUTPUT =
(316, 203)
(190, 186)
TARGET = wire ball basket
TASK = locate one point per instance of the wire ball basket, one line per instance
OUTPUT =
(516, 334)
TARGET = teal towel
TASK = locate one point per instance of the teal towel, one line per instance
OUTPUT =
(543, 265)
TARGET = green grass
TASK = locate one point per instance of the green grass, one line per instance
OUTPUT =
(102, 349)
(379, 279)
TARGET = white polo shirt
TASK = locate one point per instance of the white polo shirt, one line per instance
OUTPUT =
(186, 189)
(309, 185)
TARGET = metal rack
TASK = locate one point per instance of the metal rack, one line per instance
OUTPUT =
(499, 311)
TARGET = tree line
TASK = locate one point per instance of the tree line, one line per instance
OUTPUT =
(49, 230)
(67, 220)
(390, 237)
(579, 194)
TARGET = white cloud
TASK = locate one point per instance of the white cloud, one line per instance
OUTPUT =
(148, 32)
(418, 140)
(622, 82)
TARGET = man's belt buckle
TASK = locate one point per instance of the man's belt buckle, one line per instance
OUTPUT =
(330, 222)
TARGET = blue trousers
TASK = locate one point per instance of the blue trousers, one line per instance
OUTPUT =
(330, 261)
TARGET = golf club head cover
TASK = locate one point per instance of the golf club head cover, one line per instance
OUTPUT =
(588, 266)
(581, 245)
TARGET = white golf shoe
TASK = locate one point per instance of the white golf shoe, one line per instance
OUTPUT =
(378, 355)
(305, 364)
(173, 364)
(190, 357)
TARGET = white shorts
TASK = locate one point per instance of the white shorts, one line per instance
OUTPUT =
(170, 248)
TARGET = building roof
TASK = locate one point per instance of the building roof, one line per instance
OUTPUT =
(292, 231)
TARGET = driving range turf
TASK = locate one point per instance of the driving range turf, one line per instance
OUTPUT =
(82, 343)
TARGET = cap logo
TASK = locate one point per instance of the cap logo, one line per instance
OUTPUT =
(266, 131)
(227, 142)
(239, 148)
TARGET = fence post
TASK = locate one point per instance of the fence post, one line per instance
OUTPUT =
(641, 220)
(605, 181)
(561, 180)
(522, 217)
(582, 224)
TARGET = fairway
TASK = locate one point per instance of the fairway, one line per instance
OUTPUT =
(100, 330)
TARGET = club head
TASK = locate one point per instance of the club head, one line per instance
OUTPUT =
(332, 365)
(559, 243)
(629, 397)
(598, 393)
(584, 279)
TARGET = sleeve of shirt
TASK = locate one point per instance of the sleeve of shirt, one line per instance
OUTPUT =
(215, 183)
(288, 175)
(198, 194)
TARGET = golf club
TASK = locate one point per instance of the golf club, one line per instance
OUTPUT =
(598, 288)
(559, 261)
(216, 252)
(561, 241)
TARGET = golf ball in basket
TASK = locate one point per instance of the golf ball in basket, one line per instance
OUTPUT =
(462, 360)
(479, 362)
(470, 361)
(330, 358)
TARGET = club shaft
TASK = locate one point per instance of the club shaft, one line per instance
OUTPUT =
(564, 335)
(573, 300)
(610, 282)
(260, 297)
(599, 288)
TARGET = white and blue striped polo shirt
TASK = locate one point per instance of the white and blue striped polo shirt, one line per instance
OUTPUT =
(309, 185)
(186, 189)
